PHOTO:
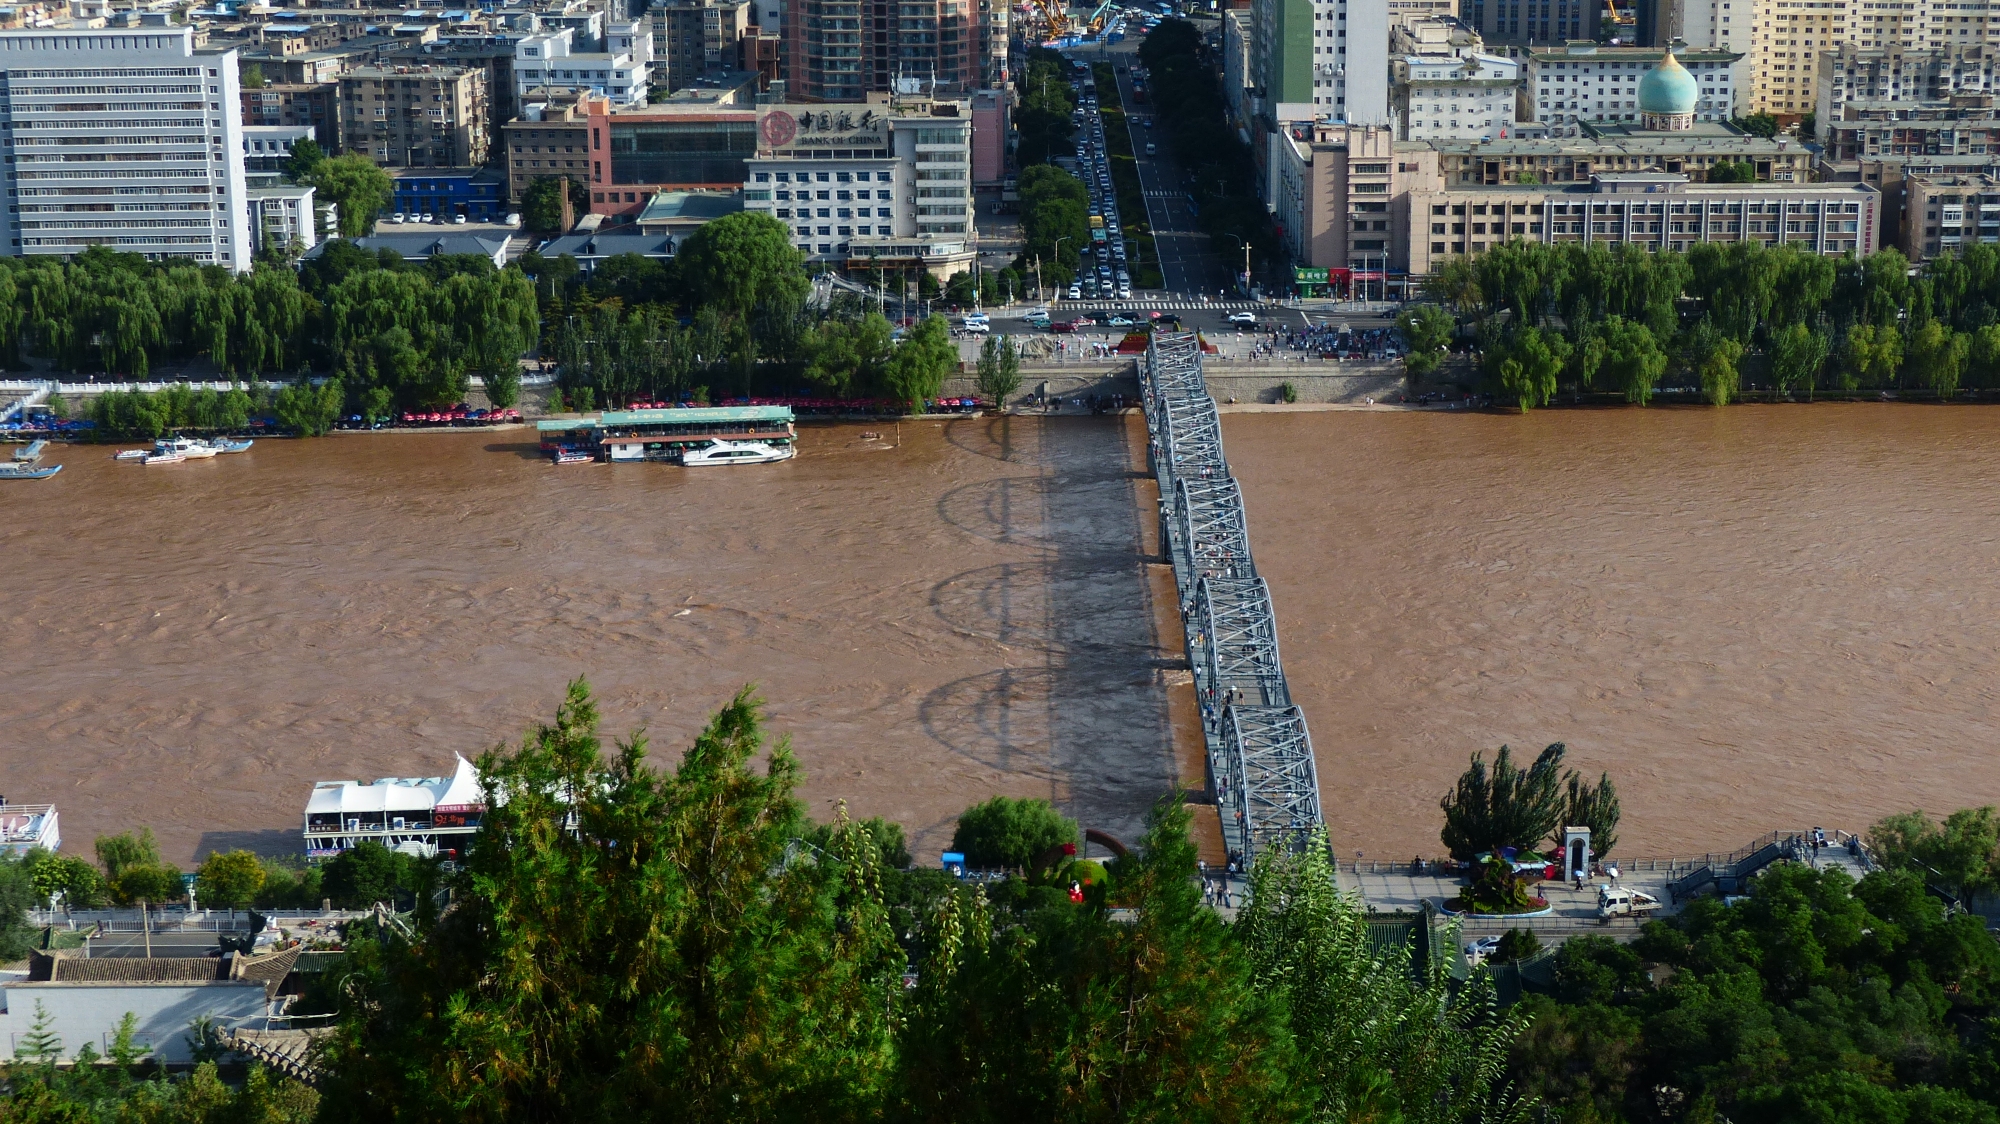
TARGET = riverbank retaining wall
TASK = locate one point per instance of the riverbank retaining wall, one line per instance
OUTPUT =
(1227, 382)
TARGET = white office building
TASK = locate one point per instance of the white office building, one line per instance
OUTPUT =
(1584, 82)
(1439, 97)
(868, 185)
(622, 72)
(127, 138)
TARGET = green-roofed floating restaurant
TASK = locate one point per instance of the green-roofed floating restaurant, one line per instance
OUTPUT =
(664, 434)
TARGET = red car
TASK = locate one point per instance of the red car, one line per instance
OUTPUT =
(1062, 325)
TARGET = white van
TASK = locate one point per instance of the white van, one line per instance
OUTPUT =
(1150, 148)
(1623, 901)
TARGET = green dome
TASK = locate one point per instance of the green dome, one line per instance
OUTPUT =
(1668, 88)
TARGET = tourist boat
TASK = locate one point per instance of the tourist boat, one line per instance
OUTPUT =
(186, 447)
(32, 452)
(736, 452)
(130, 455)
(165, 458)
(572, 456)
(27, 472)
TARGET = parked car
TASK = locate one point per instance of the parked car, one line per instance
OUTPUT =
(1481, 950)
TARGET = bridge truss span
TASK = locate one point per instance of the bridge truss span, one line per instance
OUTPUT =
(1259, 754)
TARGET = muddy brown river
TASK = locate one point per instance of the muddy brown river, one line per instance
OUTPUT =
(1754, 618)
(964, 614)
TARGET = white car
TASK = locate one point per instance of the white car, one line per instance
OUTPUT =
(978, 327)
(1481, 950)
(1075, 292)
(972, 318)
(1242, 318)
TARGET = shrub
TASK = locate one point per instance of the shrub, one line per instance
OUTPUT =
(1004, 832)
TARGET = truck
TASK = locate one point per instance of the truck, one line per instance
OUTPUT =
(1623, 901)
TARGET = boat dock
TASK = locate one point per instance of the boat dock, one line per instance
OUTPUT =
(31, 452)
(1259, 755)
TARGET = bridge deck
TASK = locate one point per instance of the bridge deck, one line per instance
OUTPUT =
(1259, 753)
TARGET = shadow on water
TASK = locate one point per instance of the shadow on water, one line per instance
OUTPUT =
(1088, 706)
(526, 450)
(997, 433)
(274, 843)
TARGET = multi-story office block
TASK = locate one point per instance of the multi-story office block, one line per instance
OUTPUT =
(1337, 189)
(1583, 82)
(621, 72)
(1440, 97)
(130, 140)
(1659, 211)
(1947, 212)
(548, 140)
(692, 37)
(1531, 21)
(415, 117)
(869, 186)
(283, 217)
(641, 151)
(1600, 150)
(1299, 55)
(844, 50)
(313, 105)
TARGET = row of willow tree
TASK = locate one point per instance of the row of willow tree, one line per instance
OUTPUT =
(369, 334)
(1583, 319)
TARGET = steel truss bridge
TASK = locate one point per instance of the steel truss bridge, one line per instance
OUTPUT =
(1260, 760)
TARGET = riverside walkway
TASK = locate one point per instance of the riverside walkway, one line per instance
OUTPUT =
(1259, 755)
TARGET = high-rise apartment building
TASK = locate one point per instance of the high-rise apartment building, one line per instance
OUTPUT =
(1786, 39)
(415, 117)
(844, 50)
(1851, 73)
(129, 139)
(1299, 56)
(621, 71)
(314, 105)
(691, 37)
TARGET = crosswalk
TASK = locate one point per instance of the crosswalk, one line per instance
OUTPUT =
(1161, 305)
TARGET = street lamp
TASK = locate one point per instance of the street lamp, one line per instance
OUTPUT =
(1058, 250)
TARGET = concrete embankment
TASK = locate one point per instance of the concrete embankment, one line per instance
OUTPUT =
(1230, 383)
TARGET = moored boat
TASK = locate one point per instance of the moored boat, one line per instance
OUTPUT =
(187, 448)
(164, 458)
(27, 472)
(225, 445)
(129, 455)
(736, 452)
(31, 452)
(572, 456)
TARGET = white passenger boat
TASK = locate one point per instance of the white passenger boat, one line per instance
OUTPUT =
(130, 455)
(164, 458)
(736, 452)
(225, 445)
(186, 447)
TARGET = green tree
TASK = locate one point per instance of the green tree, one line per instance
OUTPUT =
(1069, 1015)
(1728, 171)
(916, 370)
(1758, 125)
(1797, 355)
(309, 410)
(542, 204)
(849, 355)
(741, 261)
(1959, 854)
(41, 1043)
(1874, 353)
(1011, 833)
(1506, 807)
(355, 185)
(1592, 806)
(79, 883)
(368, 873)
(999, 371)
(1428, 330)
(229, 879)
(152, 883)
(1375, 1039)
(742, 977)
(305, 159)
(1711, 357)
(1632, 356)
(1529, 360)
(115, 853)
(1937, 357)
